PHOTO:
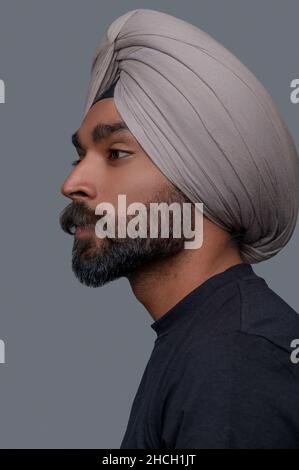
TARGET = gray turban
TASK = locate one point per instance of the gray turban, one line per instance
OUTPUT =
(206, 122)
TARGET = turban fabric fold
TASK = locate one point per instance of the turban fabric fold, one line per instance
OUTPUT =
(206, 122)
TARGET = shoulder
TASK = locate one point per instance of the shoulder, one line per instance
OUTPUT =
(264, 314)
(236, 390)
(245, 322)
(239, 355)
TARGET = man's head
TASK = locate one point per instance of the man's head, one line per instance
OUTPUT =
(202, 128)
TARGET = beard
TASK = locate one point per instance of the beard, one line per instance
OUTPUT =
(96, 262)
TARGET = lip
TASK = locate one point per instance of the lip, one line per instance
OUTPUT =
(84, 231)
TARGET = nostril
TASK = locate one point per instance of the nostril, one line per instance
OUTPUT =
(79, 193)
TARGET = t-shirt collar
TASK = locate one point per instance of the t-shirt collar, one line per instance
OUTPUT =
(198, 295)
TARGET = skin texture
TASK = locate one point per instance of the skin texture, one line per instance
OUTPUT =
(162, 282)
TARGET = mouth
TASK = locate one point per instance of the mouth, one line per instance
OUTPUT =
(84, 231)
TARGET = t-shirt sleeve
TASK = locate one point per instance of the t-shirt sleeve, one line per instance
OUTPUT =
(236, 391)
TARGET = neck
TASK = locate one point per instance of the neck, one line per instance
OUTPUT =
(163, 283)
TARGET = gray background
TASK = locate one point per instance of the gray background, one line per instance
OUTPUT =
(75, 355)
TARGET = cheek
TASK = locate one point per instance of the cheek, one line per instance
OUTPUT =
(141, 180)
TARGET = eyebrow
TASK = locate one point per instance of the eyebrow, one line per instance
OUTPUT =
(100, 132)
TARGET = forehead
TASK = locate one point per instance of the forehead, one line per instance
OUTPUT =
(102, 111)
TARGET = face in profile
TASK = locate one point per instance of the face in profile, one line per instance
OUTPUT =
(111, 162)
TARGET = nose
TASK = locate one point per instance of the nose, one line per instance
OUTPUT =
(79, 185)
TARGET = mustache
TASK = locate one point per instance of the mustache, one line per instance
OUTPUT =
(76, 214)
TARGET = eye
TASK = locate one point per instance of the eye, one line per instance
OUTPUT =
(114, 154)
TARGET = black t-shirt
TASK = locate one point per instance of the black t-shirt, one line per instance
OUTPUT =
(223, 372)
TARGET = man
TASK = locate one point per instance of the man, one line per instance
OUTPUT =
(172, 116)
